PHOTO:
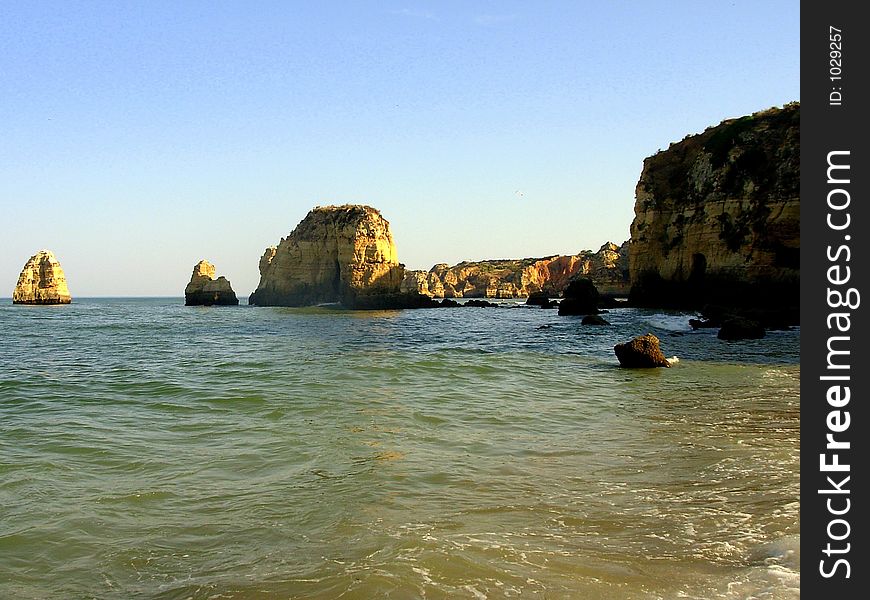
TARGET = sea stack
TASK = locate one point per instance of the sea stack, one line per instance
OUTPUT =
(335, 254)
(42, 281)
(717, 217)
(205, 290)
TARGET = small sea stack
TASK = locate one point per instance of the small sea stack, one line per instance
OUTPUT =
(206, 290)
(42, 281)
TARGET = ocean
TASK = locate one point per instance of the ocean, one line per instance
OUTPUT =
(153, 450)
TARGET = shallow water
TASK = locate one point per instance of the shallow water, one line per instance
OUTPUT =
(149, 450)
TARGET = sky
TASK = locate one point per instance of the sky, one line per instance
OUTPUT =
(137, 138)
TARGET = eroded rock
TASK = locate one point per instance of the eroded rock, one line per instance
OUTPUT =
(206, 290)
(42, 281)
(335, 254)
(525, 277)
(641, 352)
(581, 298)
(717, 216)
(738, 328)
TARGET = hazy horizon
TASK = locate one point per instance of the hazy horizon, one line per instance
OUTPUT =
(143, 138)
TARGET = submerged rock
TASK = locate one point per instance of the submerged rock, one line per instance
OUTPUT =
(702, 324)
(42, 281)
(738, 328)
(594, 320)
(390, 301)
(335, 254)
(480, 304)
(205, 290)
(641, 352)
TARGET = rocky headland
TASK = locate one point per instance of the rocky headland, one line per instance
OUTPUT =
(521, 278)
(335, 254)
(42, 281)
(717, 217)
(206, 290)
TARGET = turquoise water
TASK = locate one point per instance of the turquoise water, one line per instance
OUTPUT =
(152, 450)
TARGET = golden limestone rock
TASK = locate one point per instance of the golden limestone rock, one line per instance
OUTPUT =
(335, 254)
(519, 278)
(206, 290)
(717, 216)
(42, 281)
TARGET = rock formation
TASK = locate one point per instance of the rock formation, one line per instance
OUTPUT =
(205, 290)
(336, 254)
(581, 298)
(641, 352)
(717, 216)
(42, 281)
(541, 299)
(738, 328)
(520, 278)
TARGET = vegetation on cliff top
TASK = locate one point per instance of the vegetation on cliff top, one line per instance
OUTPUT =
(730, 160)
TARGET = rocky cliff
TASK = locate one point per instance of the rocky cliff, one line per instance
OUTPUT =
(608, 268)
(717, 216)
(42, 281)
(206, 290)
(335, 254)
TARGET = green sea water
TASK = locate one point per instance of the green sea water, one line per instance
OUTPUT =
(152, 450)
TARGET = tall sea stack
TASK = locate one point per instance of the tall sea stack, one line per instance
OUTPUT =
(42, 281)
(336, 254)
(717, 216)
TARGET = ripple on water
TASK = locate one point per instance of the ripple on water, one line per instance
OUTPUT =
(153, 451)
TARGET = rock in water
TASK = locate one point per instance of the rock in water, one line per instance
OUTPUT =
(594, 320)
(738, 328)
(538, 299)
(205, 290)
(42, 281)
(336, 254)
(581, 298)
(641, 352)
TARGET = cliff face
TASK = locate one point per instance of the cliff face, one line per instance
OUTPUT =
(717, 216)
(608, 268)
(42, 281)
(335, 254)
(206, 290)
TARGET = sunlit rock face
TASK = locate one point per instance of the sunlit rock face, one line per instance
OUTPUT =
(42, 281)
(205, 289)
(519, 278)
(335, 254)
(717, 216)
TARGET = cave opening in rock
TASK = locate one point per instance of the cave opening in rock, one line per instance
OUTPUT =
(699, 267)
(336, 281)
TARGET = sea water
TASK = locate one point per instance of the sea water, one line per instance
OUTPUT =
(152, 450)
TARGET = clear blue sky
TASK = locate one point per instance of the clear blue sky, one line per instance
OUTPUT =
(137, 138)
